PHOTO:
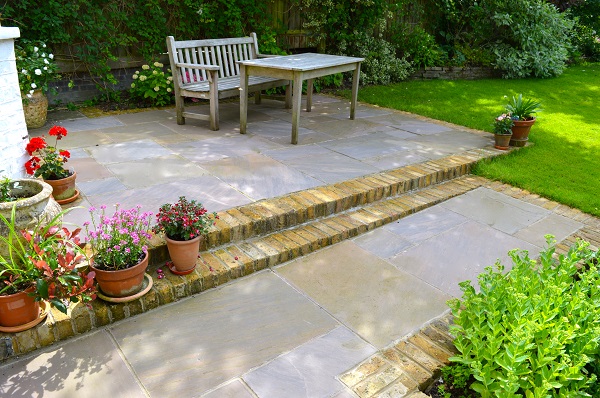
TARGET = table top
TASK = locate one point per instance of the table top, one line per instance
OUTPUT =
(302, 62)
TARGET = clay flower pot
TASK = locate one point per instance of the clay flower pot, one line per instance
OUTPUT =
(63, 190)
(184, 254)
(121, 283)
(501, 141)
(18, 309)
(520, 132)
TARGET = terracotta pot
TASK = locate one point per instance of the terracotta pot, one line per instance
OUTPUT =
(521, 132)
(502, 141)
(63, 190)
(184, 253)
(36, 206)
(35, 109)
(18, 309)
(121, 283)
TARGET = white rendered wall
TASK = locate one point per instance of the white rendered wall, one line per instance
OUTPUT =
(13, 130)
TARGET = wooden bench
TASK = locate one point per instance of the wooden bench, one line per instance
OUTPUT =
(208, 69)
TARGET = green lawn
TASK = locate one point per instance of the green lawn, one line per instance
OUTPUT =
(564, 163)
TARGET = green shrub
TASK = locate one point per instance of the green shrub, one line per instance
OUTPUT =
(153, 85)
(534, 331)
(418, 46)
(380, 65)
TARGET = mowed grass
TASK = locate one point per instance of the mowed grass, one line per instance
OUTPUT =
(564, 163)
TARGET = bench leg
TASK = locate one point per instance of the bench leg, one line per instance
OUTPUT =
(179, 109)
(288, 96)
(214, 101)
(257, 98)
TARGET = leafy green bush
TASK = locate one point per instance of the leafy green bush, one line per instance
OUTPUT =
(418, 46)
(534, 331)
(534, 38)
(380, 65)
(152, 84)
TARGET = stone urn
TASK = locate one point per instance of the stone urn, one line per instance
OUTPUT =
(35, 109)
(34, 204)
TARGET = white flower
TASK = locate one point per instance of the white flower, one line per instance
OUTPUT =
(31, 92)
(29, 95)
(43, 55)
(51, 56)
(158, 64)
(46, 61)
(169, 89)
(170, 78)
(44, 45)
(154, 72)
(156, 88)
(135, 77)
(33, 85)
(45, 68)
(132, 85)
(24, 71)
(38, 72)
(35, 49)
(145, 67)
(142, 78)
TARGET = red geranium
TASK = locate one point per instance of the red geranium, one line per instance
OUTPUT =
(58, 131)
(47, 161)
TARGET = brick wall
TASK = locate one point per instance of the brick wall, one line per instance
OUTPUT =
(455, 73)
(13, 130)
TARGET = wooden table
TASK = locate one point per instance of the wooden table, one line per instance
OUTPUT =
(297, 68)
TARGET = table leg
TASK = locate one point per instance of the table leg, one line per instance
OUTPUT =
(243, 98)
(297, 98)
(355, 79)
(309, 90)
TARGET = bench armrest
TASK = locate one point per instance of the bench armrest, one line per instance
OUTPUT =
(197, 66)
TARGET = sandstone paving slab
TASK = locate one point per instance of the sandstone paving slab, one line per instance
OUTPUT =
(447, 143)
(153, 171)
(395, 160)
(81, 139)
(145, 117)
(346, 128)
(459, 254)
(155, 131)
(422, 127)
(496, 210)
(86, 367)
(553, 224)
(214, 194)
(127, 151)
(259, 176)
(96, 187)
(311, 369)
(331, 168)
(425, 224)
(88, 169)
(296, 152)
(78, 153)
(204, 151)
(368, 295)
(235, 389)
(368, 146)
(382, 243)
(86, 124)
(201, 342)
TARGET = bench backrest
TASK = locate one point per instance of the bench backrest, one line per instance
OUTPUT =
(218, 52)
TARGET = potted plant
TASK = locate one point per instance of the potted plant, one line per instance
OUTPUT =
(502, 131)
(522, 112)
(119, 251)
(184, 224)
(48, 162)
(32, 202)
(42, 264)
(36, 67)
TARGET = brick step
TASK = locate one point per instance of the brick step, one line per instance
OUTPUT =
(269, 215)
(249, 238)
